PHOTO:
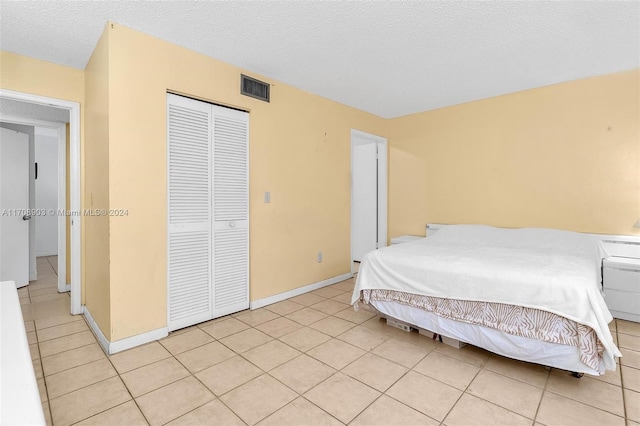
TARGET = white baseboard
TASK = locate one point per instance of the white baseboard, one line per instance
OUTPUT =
(298, 291)
(96, 329)
(67, 287)
(46, 253)
(123, 344)
(137, 340)
(150, 336)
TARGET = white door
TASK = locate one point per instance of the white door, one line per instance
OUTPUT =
(208, 231)
(14, 203)
(365, 200)
(189, 212)
(368, 193)
(230, 210)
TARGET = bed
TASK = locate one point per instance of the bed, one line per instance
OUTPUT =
(531, 294)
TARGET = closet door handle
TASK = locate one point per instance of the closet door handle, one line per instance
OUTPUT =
(232, 224)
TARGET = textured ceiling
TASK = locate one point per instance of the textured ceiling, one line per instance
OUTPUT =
(33, 111)
(388, 58)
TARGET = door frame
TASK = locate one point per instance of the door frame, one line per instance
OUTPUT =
(359, 138)
(60, 184)
(74, 186)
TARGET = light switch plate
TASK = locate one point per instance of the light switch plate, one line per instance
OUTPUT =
(267, 197)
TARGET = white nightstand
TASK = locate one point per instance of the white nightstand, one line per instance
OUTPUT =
(405, 239)
(621, 278)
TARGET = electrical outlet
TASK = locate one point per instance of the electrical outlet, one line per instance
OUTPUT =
(319, 257)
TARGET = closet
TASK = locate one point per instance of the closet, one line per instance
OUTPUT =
(208, 211)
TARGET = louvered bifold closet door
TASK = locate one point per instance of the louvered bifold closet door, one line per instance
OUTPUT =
(231, 211)
(189, 298)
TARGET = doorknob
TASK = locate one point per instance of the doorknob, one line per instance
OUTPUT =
(26, 217)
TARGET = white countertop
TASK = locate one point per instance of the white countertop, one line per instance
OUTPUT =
(19, 397)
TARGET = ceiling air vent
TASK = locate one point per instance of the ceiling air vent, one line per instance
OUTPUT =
(254, 88)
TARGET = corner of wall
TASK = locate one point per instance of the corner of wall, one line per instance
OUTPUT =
(96, 254)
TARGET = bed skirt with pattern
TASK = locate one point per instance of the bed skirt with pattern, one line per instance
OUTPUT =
(517, 320)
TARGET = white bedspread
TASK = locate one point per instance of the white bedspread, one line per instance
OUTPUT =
(551, 270)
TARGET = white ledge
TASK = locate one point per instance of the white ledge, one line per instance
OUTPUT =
(19, 397)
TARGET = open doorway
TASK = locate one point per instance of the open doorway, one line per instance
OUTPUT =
(368, 195)
(60, 121)
(35, 174)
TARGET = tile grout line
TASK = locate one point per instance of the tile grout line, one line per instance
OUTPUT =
(624, 397)
(410, 369)
(544, 391)
(585, 403)
(44, 380)
(391, 385)
(83, 387)
(109, 408)
(588, 404)
(121, 381)
(67, 350)
(300, 395)
(63, 336)
(481, 367)
(465, 391)
(508, 377)
(64, 323)
(52, 267)
(216, 397)
(97, 414)
(312, 403)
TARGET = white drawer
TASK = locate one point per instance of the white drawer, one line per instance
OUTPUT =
(622, 279)
(622, 301)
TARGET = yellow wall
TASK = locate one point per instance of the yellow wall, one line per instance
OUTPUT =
(97, 285)
(299, 151)
(564, 156)
(28, 75)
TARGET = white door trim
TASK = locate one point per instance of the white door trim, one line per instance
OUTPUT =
(74, 185)
(62, 205)
(382, 183)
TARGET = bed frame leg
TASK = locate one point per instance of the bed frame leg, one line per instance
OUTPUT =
(438, 336)
(577, 375)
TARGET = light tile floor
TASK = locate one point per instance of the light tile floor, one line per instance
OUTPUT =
(309, 360)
